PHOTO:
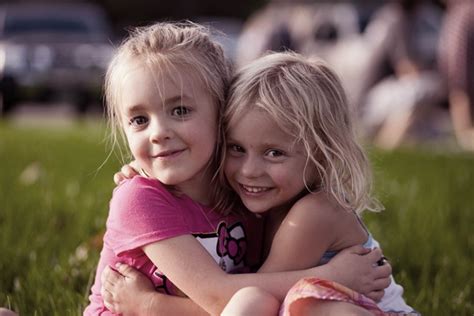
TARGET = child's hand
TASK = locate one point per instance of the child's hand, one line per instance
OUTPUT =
(126, 172)
(357, 268)
(127, 291)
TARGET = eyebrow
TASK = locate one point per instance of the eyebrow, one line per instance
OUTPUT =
(231, 140)
(170, 100)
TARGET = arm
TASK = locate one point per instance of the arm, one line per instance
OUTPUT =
(314, 225)
(210, 287)
(460, 110)
(128, 292)
(303, 236)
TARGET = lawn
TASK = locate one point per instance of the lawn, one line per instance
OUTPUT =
(56, 182)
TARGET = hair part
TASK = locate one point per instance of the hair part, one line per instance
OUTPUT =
(163, 47)
(307, 100)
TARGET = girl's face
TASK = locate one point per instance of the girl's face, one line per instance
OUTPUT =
(170, 123)
(263, 163)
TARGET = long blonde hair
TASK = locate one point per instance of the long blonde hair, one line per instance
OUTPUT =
(306, 99)
(163, 46)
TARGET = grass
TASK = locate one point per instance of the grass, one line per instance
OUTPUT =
(53, 206)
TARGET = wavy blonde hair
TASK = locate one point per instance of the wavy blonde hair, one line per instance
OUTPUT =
(163, 47)
(307, 100)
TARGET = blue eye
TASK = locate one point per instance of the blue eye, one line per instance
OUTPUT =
(180, 111)
(138, 121)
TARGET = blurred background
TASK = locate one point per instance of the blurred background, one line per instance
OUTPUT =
(407, 67)
(402, 62)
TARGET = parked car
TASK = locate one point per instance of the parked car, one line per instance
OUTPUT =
(53, 52)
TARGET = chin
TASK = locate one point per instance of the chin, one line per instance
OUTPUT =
(256, 209)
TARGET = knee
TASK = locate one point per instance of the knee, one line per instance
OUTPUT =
(7, 312)
(252, 301)
(310, 306)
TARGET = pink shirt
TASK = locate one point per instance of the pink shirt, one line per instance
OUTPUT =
(143, 211)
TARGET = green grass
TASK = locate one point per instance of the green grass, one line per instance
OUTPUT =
(54, 197)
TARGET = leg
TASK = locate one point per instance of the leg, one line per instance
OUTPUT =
(252, 301)
(7, 312)
(310, 307)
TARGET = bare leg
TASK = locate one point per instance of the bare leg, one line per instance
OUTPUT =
(252, 301)
(7, 312)
(308, 307)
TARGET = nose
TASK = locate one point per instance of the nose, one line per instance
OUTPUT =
(160, 131)
(251, 167)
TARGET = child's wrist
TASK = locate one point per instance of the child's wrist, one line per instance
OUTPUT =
(149, 302)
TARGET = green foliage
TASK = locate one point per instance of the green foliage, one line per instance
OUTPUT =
(54, 195)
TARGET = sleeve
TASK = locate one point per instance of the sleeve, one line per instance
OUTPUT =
(143, 211)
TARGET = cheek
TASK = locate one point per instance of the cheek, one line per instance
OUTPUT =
(288, 176)
(231, 165)
(136, 145)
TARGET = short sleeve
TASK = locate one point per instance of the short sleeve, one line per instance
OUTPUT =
(142, 211)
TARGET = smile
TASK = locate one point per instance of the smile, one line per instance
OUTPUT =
(168, 154)
(253, 189)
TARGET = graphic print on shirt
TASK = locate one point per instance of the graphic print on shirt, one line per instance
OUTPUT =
(227, 246)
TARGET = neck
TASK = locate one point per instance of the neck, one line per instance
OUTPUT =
(197, 188)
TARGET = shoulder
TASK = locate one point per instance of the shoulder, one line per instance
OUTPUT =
(314, 209)
(140, 194)
(140, 187)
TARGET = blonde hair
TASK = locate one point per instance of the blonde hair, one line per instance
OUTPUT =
(306, 99)
(164, 46)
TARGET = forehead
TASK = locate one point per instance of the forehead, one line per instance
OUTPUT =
(258, 126)
(140, 82)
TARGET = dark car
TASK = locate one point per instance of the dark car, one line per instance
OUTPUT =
(52, 52)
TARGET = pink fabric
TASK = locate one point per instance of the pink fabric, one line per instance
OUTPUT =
(143, 211)
(326, 290)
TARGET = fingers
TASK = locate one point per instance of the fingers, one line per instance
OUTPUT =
(375, 255)
(358, 249)
(381, 284)
(118, 177)
(384, 271)
(107, 297)
(126, 270)
(376, 295)
(109, 278)
(128, 171)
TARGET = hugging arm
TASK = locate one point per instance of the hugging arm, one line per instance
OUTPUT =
(309, 229)
(351, 266)
(127, 291)
(203, 280)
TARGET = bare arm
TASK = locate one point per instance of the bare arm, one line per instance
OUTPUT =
(128, 292)
(301, 239)
(205, 283)
(460, 110)
(313, 226)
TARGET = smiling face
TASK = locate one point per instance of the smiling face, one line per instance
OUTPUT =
(170, 123)
(263, 164)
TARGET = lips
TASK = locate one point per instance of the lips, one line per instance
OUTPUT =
(168, 153)
(254, 190)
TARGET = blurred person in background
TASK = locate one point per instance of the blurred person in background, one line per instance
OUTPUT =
(302, 26)
(456, 63)
(400, 85)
